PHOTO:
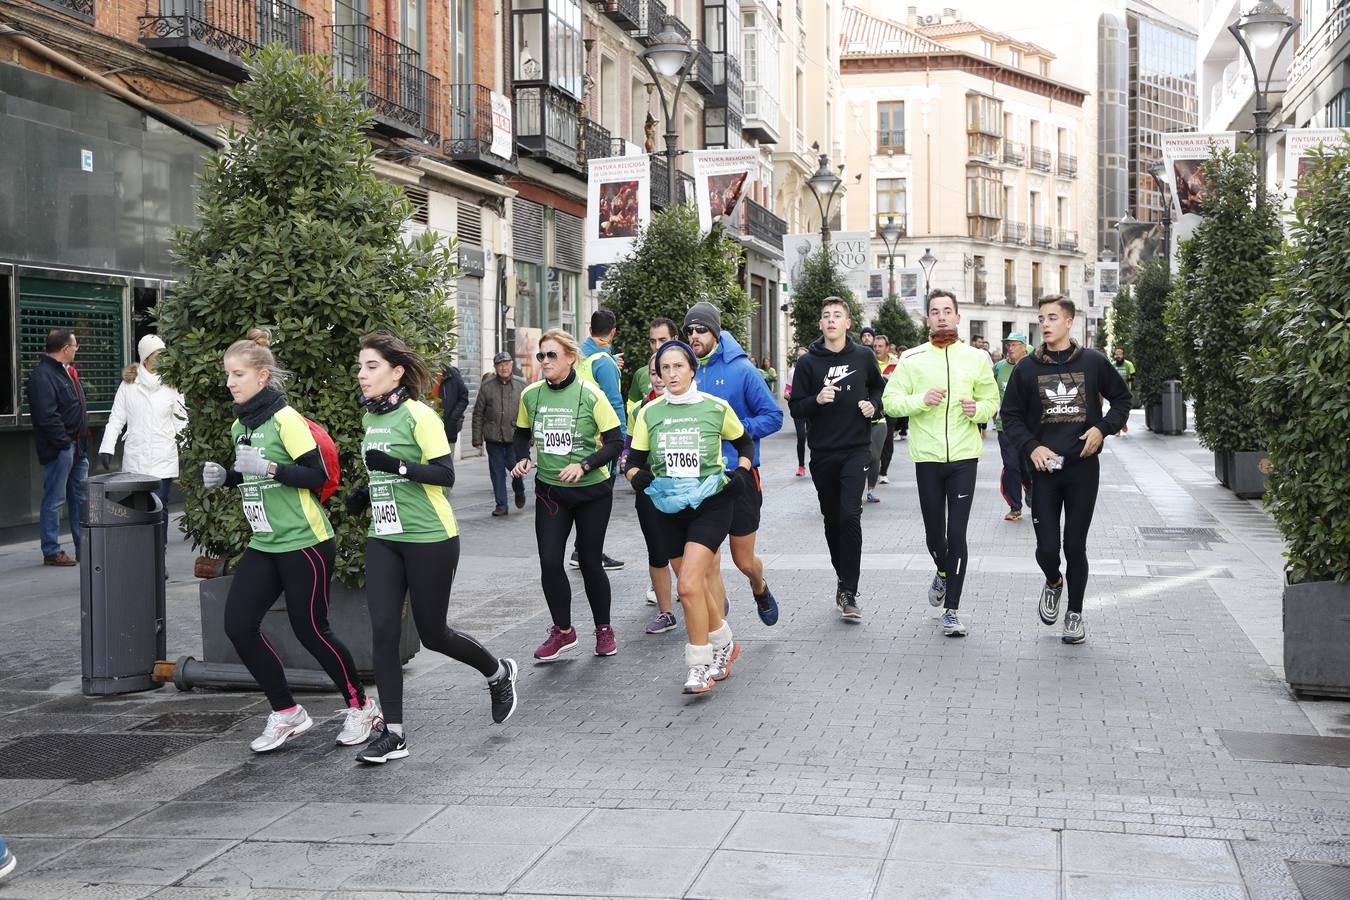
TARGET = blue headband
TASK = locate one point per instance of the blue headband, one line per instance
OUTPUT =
(679, 345)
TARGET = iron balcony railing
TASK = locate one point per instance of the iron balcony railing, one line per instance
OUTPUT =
(685, 185)
(1037, 292)
(624, 13)
(217, 34)
(404, 96)
(1068, 165)
(1014, 153)
(1040, 159)
(596, 142)
(674, 23)
(80, 9)
(1014, 233)
(1068, 240)
(760, 223)
(471, 129)
(1041, 236)
(1010, 294)
(701, 70)
(546, 125)
(651, 13)
(660, 182)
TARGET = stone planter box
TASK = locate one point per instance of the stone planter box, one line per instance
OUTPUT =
(1247, 473)
(347, 614)
(1316, 635)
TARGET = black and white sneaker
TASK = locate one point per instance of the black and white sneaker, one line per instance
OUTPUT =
(610, 565)
(850, 610)
(1075, 632)
(384, 748)
(937, 591)
(503, 692)
(1049, 605)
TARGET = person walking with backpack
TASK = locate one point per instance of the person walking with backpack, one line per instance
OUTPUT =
(454, 397)
(493, 423)
(278, 469)
(412, 546)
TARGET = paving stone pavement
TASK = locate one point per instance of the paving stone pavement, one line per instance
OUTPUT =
(879, 760)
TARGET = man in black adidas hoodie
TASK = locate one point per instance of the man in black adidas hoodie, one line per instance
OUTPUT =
(1052, 414)
(837, 390)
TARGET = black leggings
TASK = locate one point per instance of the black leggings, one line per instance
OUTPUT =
(839, 477)
(800, 425)
(557, 508)
(304, 575)
(424, 573)
(945, 495)
(888, 449)
(649, 520)
(1072, 490)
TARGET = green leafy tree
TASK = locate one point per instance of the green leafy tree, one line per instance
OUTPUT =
(820, 278)
(673, 266)
(1227, 266)
(894, 321)
(1120, 321)
(296, 233)
(1297, 375)
(1153, 357)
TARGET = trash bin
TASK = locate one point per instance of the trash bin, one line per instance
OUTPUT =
(1172, 416)
(121, 584)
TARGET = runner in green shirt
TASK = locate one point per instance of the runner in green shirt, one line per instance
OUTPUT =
(678, 438)
(576, 433)
(412, 547)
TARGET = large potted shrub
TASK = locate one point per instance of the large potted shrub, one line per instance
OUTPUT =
(1226, 268)
(296, 232)
(894, 321)
(820, 278)
(1297, 373)
(1154, 361)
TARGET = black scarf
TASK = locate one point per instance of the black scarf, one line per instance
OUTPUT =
(385, 403)
(1044, 354)
(260, 407)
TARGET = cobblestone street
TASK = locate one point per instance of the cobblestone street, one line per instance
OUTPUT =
(879, 760)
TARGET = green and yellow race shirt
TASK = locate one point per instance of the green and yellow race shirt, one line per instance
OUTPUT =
(566, 425)
(402, 509)
(283, 518)
(685, 440)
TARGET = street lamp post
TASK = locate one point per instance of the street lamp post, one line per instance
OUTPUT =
(926, 262)
(1265, 25)
(672, 57)
(1156, 170)
(890, 234)
(824, 186)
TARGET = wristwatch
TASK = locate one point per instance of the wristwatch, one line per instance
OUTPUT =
(403, 468)
(272, 470)
(585, 466)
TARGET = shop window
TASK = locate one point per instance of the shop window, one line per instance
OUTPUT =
(94, 311)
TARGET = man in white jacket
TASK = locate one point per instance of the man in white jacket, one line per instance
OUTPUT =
(152, 414)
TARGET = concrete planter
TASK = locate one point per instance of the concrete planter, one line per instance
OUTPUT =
(1316, 634)
(347, 614)
(1247, 473)
(1223, 464)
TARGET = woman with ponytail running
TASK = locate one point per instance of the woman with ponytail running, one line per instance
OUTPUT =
(278, 470)
(412, 547)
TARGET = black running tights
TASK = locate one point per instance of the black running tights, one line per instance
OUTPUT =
(556, 509)
(800, 425)
(304, 575)
(424, 573)
(839, 477)
(1073, 491)
(945, 495)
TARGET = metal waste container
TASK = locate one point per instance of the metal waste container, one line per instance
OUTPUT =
(121, 584)
(1172, 415)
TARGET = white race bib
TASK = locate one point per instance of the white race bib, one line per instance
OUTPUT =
(682, 463)
(256, 514)
(384, 515)
(557, 441)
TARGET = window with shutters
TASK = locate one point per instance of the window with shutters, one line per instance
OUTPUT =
(984, 201)
(527, 230)
(891, 127)
(418, 198)
(469, 221)
(568, 246)
(94, 311)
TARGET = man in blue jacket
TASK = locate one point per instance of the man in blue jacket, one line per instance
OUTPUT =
(725, 371)
(602, 367)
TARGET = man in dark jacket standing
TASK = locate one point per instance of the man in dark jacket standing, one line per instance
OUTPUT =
(61, 432)
(494, 422)
(837, 390)
(454, 398)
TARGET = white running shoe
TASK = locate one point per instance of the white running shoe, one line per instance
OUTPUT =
(723, 657)
(281, 727)
(651, 597)
(700, 680)
(361, 721)
(884, 479)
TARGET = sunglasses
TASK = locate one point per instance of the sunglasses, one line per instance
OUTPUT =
(698, 329)
(547, 354)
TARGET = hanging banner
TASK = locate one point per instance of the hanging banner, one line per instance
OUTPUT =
(1299, 144)
(909, 287)
(1108, 281)
(722, 180)
(1139, 243)
(618, 205)
(1186, 154)
(848, 249)
(502, 138)
(877, 283)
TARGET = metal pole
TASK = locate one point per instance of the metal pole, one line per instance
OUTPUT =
(890, 265)
(671, 177)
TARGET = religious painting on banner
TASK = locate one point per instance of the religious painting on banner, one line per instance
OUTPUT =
(1300, 145)
(1186, 154)
(618, 206)
(722, 181)
(1139, 243)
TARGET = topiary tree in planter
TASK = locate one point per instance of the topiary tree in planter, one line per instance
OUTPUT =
(673, 266)
(1296, 373)
(296, 233)
(894, 321)
(1226, 267)
(820, 278)
(1120, 321)
(1154, 361)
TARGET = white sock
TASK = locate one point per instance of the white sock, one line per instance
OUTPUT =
(698, 655)
(721, 637)
(395, 728)
(500, 673)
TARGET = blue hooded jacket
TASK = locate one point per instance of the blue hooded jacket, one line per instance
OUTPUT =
(606, 372)
(730, 375)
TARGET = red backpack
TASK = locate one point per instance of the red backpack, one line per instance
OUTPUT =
(329, 454)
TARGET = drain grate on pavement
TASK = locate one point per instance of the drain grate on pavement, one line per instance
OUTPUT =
(1318, 881)
(87, 757)
(1290, 749)
(1177, 533)
(192, 723)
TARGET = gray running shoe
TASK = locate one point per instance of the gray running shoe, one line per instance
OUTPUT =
(937, 591)
(850, 610)
(1049, 605)
(951, 624)
(662, 623)
(1075, 632)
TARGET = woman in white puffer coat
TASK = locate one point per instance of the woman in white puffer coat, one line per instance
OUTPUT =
(152, 414)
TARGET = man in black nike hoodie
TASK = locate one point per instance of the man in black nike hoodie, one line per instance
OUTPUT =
(1052, 415)
(837, 389)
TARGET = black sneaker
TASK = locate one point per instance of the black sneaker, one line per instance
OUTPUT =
(849, 608)
(520, 499)
(611, 565)
(384, 748)
(574, 561)
(503, 692)
(1048, 608)
(840, 595)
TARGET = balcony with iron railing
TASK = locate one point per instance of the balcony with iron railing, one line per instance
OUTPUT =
(216, 34)
(624, 13)
(471, 131)
(1009, 294)
(404, 97)
(1312, 50)
(1037, 292)
(1014, 153)
(1041, 236)
(1067, 166)
(760, 224)
(1068, 240)
(651, 13)
(684, 185)
(1014, 233)
(674, 23)
(761, 114)
(596, 142)
(1040, 159)
(547, 127)
(701, 69)
(79, 9)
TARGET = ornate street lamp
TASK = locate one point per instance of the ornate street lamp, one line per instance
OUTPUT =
(824, 186)
(1265, 25)
(672, 57)
(926, 262)
(890, 234)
